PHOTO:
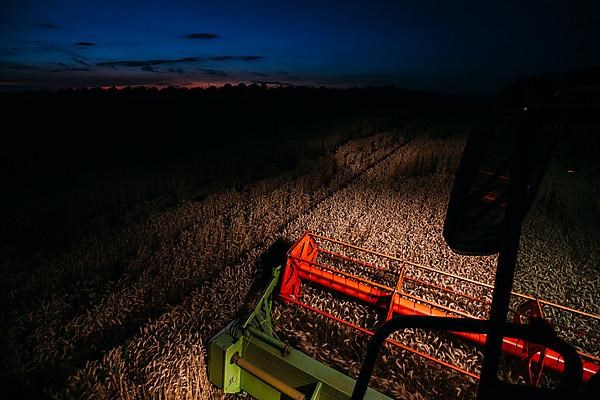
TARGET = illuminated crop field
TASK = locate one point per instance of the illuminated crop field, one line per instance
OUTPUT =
(185, 272)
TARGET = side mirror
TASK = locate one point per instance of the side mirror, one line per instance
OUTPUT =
(504, 159)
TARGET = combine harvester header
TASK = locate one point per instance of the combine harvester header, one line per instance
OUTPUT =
(401, 287)
(246, 355)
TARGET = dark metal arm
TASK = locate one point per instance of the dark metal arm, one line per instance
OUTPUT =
(538, 332)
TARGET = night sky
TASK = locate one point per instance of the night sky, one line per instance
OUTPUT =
(455, 46)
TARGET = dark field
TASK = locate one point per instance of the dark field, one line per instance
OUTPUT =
(81, 159)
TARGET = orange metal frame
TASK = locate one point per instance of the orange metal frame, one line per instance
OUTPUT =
(305, 266)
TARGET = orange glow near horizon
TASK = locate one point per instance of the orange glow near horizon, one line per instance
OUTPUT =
(191, 85)
(186, 85)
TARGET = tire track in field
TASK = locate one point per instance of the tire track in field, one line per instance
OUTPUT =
(344, 185)
(246, 265)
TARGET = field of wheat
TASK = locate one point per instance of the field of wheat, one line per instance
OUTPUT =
(129, 312)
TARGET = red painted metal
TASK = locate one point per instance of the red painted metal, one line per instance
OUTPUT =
(304, 267)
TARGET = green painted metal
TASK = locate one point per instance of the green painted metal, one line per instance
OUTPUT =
(221, 371)
(317, 392)
(253, 339)
(282, 347)
(261, 316)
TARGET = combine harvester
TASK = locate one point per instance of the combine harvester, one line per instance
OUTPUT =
(494, 187)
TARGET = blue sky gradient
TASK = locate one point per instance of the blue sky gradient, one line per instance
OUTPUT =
(466, 46)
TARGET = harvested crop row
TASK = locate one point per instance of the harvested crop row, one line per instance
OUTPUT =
(60, 329)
